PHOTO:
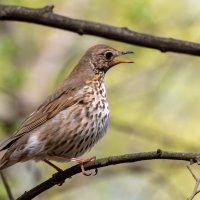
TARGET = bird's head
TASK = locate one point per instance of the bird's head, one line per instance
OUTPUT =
(102, 57)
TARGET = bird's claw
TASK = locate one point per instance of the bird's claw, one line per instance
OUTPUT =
(81, 162)
(96, 172)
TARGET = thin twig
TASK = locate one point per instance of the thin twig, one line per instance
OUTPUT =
(7, 187)
(195, 190)
(114, 160)
(45, 16)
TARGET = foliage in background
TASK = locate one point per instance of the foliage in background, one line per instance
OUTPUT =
(154, 103)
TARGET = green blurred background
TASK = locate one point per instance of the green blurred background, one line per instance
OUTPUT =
(154, 102)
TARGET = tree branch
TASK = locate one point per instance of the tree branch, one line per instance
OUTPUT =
(45, 16)
(114, 160)
(195, 190)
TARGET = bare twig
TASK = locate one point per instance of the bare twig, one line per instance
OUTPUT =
(114, 160)
(5, 183)
(195, 191)
(45, 16)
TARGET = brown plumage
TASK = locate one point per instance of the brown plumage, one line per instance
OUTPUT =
(72, 119)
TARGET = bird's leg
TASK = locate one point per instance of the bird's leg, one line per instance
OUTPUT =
(81, 162)
(56, 168)
(52, 165)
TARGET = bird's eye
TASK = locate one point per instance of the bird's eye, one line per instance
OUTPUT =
(108, 55)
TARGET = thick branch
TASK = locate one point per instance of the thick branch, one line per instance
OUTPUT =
(114, 160)
(45, 16)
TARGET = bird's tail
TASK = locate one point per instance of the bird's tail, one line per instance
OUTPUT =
(5, 153)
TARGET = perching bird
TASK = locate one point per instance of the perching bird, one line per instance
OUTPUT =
(71, 120)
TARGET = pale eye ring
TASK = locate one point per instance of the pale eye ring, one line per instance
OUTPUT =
(108, 55)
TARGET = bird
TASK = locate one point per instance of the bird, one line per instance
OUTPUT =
(71, 120)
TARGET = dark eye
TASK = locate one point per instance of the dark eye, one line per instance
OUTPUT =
(108, 55)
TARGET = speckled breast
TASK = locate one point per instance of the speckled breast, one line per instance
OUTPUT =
(81, 125)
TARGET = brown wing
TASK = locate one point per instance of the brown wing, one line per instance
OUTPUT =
(58, 101)
(45, 113)
(64, 96)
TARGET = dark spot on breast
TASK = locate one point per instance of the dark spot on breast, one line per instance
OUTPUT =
(86, 132)
(105, 117)
(85, 125)
(56, 146)
(80, 143)
(86, 139)
(93, 123)
(69, 133)
(87, 146)
(87, 114)
(70, 148)
(81, 101)
(91, 143)
(63, 143)
(92, 130)
(81, 149)
(99, 128)
(92, 136)
(74, 135)
(79, 125)
(100, 115)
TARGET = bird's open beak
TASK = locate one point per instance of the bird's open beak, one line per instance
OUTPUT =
(123, 61)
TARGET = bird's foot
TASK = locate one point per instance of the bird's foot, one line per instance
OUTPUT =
(81, 162)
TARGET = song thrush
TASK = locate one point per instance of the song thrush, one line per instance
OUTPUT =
(71, 120)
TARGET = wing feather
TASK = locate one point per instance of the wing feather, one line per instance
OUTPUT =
(56, 102)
